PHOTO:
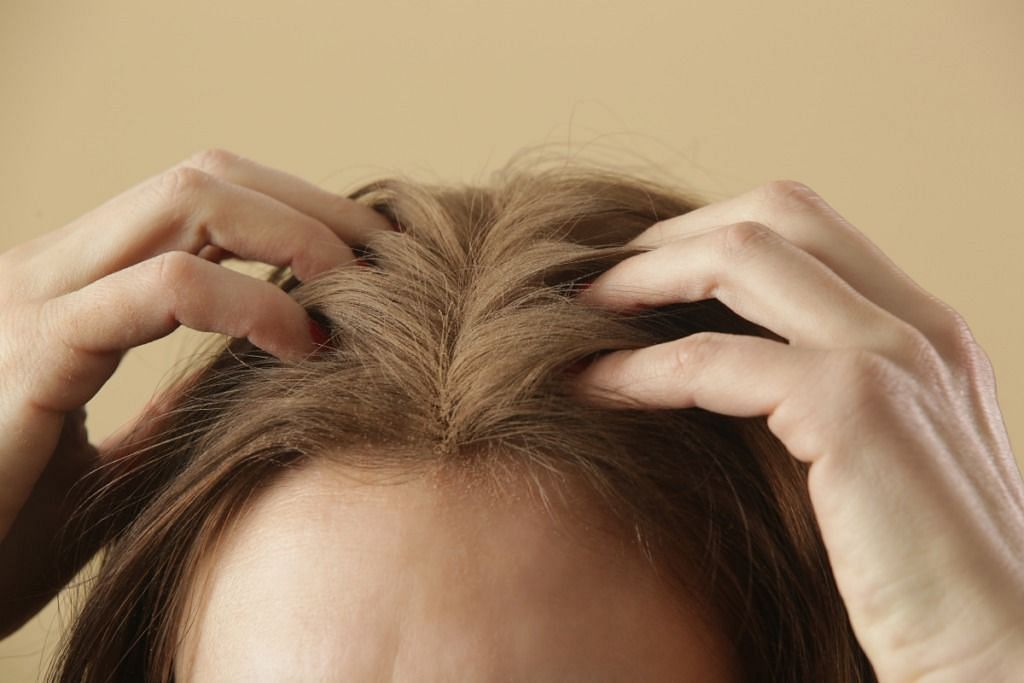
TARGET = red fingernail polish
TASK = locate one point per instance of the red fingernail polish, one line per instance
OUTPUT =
(362, 262)
(318, 333)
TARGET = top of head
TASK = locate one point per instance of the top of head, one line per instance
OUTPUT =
(446, 360)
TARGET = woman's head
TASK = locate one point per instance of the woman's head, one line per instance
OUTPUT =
(430, 485)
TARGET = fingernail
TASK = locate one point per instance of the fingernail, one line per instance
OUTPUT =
(362, 262)
(317, 333)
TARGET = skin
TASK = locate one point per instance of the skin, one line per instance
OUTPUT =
(881, 387)
(73, 301)
(329, 578)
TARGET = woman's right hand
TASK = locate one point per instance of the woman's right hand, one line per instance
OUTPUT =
(73, 301)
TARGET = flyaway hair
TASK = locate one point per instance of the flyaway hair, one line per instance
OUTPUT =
(448, 352)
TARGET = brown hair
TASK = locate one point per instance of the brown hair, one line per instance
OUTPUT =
(449, 351)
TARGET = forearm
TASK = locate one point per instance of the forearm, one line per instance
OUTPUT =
(37, 559)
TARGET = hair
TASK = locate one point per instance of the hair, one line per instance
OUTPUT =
(449, 351)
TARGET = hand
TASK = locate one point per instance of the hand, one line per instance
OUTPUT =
(881, 388)
(73, 301)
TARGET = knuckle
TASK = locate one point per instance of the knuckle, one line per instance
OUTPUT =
(906, 342)
(965, 350)
(972, 359)
(174, 268)
(976, 362)
(214, 160)
(182, 183)
(915, 352)
(186, 202)
(692, 351)
(787, 194)
(740, 239)
(923, 358)
(955, 331)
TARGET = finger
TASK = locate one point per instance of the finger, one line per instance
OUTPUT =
(352, 221)
(150, 300)
(187, 211)
(731, 374)
(758, 274)
(801, 216)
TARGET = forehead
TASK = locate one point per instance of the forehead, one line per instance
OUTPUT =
(326, 577)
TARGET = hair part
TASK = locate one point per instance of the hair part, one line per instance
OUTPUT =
(448, 354)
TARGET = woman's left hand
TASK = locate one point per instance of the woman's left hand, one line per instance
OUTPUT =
(882, 389)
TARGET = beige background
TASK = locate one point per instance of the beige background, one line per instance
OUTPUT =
(907, 117)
